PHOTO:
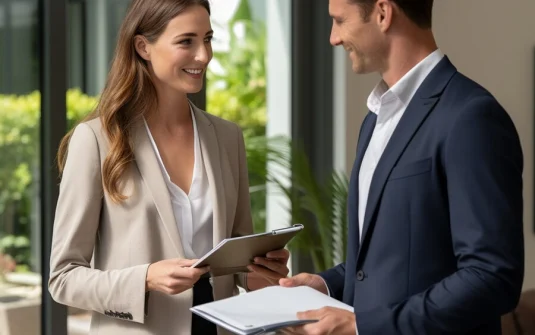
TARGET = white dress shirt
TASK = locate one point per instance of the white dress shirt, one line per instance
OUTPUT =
(389, 106)
(193, 211)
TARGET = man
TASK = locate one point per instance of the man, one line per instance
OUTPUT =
(435, 202)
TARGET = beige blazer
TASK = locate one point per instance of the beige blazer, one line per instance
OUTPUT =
(101, 250)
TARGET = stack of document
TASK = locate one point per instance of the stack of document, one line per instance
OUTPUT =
(265, 310)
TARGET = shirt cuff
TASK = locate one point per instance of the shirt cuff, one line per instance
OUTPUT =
(327, 286)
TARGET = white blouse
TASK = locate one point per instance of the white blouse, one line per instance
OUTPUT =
(193, 211)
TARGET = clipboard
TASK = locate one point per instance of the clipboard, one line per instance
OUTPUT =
(233, 255)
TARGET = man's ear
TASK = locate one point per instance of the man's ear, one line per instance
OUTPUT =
(385, 12)
(142, 47)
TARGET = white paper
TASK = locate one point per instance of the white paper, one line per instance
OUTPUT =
(266, 309)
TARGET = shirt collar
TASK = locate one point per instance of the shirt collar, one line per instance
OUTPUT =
(407, 86)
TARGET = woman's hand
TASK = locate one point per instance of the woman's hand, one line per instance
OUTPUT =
(173, 276)
(267, 271)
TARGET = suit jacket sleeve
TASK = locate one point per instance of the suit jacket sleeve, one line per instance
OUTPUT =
(334, 279)
(483, 168)
(243, 222)
(72, 280)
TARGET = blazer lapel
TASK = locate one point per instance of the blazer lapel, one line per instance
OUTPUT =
(364, 139)
(212, 163)
(149, 168)
(421, 104)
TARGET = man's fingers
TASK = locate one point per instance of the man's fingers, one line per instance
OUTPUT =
(297, 280)
(314, 314)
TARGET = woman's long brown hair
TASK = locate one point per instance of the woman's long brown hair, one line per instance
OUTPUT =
(129, 91)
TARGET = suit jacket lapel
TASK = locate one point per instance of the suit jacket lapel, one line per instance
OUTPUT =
(149, 168)
(212, 163)
(364, 140)
(421, 104)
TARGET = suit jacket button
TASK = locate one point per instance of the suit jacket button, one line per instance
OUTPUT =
(360, 275)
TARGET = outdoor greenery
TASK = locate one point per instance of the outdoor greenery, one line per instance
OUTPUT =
(19, 152)
(237, 94)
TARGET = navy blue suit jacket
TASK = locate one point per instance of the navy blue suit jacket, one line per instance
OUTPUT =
(442, 249)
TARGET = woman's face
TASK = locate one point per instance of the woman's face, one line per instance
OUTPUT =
(179, 57)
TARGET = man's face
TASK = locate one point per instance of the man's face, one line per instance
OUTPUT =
(364, 40)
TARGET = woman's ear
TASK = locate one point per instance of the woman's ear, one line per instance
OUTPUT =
(142, 47)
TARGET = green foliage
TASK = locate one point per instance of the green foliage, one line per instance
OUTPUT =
(321, 206)
(238, 94)
(19, 152)
(19, 117)
(16, 246)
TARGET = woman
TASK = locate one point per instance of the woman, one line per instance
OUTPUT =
(150, 183)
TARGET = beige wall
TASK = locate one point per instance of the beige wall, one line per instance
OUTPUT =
(492, 42)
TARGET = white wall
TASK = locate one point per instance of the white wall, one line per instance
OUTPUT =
(492, 42)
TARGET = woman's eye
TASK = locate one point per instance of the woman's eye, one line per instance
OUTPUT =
(208, 39)
(185, 42)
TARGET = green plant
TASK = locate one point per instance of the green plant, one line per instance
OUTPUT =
(238, 94)
(320, 205)
(19, 150)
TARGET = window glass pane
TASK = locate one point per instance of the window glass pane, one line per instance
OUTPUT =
(251, 43)
(20, 279)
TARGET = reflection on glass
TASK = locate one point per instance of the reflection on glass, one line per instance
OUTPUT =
(20, 279)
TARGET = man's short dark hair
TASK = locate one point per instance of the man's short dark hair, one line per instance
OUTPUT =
(418, 11)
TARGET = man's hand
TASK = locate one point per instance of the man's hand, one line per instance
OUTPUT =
(305, 279)
(266, 271)
(332, 321)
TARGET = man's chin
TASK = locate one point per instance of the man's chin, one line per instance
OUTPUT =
(359, 68)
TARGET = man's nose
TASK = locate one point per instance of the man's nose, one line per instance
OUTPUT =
(335, 38)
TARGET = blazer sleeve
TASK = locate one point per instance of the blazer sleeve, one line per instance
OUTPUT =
(334, 280)
(243, 222)
(119, 293)
(483, 168)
